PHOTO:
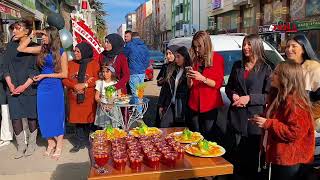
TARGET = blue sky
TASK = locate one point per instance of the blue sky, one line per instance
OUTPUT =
(117, 9)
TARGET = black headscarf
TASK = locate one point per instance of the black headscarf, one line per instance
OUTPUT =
(86, 57)
(117, 47)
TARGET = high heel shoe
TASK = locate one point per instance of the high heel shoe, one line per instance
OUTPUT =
(49, 150)
(57, 154)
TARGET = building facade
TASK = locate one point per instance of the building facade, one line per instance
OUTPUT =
(189, 16)
(161, 16)
(131, 21)
(121, 30)
(144, 27)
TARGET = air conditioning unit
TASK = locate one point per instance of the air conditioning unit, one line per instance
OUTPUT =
(241, 2)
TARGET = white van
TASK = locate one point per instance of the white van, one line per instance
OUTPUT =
(230, 47)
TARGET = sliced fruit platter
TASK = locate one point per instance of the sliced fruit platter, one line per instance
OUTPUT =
(144, 130)
(110, 133)
(205, 148)
(187, 136)
(123, 99)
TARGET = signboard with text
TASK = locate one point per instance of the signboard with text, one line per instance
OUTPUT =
(216, 4)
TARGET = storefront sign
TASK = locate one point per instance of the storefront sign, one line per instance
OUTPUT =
(81, 29)
(284, 27)
(7, 10)
(307, 25)
(216, 4)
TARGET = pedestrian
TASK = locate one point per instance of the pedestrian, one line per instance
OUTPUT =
(170, 56)
(174, 92)
(289, 133)
(138, 59)
(18, 70)
(82, 75)
(205, 79)
(113, 56)
(53, 63)
(107, 79)
(247, 88)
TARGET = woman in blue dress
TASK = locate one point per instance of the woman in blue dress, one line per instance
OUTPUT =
(53, 63)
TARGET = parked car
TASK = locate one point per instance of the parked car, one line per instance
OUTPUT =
(157, 57)
(149, 72)
(230, 47)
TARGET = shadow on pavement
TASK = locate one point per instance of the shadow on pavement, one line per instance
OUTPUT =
(69, 171)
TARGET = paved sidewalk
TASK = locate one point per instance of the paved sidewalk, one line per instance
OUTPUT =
(68, 167)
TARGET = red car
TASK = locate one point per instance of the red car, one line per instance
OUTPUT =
(149, 71)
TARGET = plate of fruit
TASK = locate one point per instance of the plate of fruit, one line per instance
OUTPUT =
(205, 148)
(115, 133)
(187, 136)
(144, 130)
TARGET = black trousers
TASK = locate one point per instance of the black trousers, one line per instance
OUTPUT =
(205, 123)
(279, 172)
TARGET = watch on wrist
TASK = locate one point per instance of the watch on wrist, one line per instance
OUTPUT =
(86, 85)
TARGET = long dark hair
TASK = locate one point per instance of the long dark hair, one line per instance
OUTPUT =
(257, 50)
(183, 51)
(54, 46)
(23, 23)
(303, 41)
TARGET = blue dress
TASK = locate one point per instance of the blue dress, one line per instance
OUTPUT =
(50, 102)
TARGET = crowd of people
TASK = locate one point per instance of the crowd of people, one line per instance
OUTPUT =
(272, 117)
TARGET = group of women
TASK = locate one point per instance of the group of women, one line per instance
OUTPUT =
(270, 118)
(35, 77)
(271, 115)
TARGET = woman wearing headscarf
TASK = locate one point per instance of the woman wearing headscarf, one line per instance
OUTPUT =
(83, 73)
(113, 56)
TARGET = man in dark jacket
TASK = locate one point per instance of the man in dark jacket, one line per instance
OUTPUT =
(138, 58)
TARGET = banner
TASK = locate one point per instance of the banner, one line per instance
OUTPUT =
(81, 29)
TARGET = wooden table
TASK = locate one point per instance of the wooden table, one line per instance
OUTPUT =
(188, 167)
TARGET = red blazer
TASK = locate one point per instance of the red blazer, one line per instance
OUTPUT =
(122, 71)
(208, 97)
(290, 135)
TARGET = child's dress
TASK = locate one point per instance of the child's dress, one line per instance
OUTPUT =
(102, 120)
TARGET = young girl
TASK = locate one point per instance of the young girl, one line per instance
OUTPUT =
(289, 133)
(107, 78)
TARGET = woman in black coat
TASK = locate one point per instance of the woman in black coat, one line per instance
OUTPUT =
(174, 92)
(247, 90)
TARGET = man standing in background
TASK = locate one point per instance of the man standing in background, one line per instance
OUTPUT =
(138, 59)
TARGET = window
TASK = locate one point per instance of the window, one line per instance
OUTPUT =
(181, 8)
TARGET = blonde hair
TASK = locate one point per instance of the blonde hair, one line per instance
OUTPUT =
(292, 82)
(202, 36)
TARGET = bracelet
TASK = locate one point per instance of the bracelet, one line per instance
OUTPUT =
(205, 80)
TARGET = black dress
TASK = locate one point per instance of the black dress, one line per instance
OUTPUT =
(21, 66)
(174, 112)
